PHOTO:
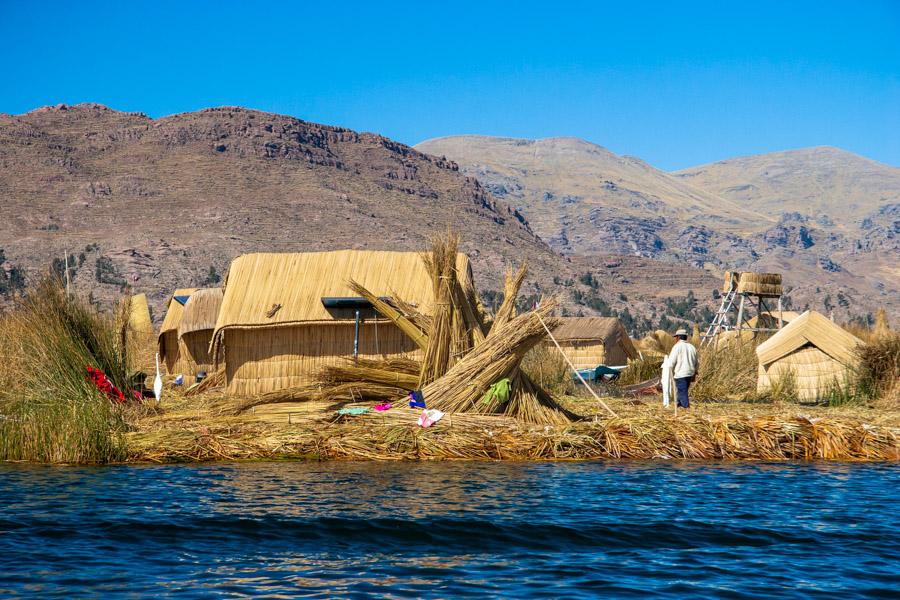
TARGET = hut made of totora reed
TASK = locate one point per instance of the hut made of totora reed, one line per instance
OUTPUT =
(816, 353)
(167, 340)
(286, 316)
(593, 341)
(196, 328)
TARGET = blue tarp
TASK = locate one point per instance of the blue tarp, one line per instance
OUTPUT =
(598, 373)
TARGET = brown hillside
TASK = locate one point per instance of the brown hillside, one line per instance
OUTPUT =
(165, 199)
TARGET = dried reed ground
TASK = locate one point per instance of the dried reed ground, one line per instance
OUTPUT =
(202, 429)
(745, 426)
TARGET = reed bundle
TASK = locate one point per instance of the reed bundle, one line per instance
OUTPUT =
(658, 342)
(498, 357)
(351, 373)
(445, 332)
(512, 283)
(335, 395)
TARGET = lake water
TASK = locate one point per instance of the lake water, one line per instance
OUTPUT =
(575, 530)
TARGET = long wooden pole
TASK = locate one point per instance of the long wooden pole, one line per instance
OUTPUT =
(558, 347)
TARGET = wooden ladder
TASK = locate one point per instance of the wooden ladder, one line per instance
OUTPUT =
(720, 320)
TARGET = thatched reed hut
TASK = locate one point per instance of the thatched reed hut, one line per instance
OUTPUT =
(275, 331)
(196, 328)
(167, 341)
(593, 341)
(818, 354)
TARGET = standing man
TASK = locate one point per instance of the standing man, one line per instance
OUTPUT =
(685, 364)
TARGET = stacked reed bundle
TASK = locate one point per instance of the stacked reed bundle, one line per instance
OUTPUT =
(463, 357)
(762, 284)
(446, 333)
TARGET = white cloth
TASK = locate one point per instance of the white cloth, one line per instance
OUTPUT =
(666, 381)
(684, 360)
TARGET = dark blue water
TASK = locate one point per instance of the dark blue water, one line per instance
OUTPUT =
(577, 530)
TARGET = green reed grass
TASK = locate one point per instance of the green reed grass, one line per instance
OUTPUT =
(49, 411)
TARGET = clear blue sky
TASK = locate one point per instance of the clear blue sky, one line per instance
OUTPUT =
(675, 83)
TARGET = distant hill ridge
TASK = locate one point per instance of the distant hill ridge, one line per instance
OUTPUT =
(827, 218)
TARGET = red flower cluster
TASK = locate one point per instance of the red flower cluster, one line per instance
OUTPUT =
(105, 385)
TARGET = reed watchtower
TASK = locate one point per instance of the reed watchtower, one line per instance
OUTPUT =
(743, 295)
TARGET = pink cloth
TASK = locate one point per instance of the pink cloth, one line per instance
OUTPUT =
(383, 406)
(429, 417)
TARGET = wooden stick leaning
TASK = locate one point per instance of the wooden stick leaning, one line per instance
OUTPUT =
(590, 389)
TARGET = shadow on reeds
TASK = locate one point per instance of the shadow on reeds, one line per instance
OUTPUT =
(49, 411)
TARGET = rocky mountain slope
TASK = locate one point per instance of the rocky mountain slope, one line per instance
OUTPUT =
(783, 212)
(836, 188)
(580, 196)
(164, 203)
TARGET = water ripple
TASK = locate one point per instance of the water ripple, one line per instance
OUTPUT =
(573, 530)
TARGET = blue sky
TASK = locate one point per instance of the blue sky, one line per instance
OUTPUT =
(675, 83)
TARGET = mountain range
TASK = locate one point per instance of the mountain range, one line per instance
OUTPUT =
(829, 220)
(153, 204)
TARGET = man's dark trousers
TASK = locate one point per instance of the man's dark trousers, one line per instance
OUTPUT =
(682, 384)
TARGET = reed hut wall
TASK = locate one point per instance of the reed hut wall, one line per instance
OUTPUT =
(263, 360)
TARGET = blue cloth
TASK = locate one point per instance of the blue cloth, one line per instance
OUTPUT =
(416, 400)
(682, 384)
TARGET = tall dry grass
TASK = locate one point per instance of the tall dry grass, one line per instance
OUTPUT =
(727, 373)
(546, 367)
(49, 411)
(878, 376)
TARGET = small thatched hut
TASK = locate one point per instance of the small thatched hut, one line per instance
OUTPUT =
(196, 328)
(167, 341)
(593, 341)
(276, 329)
(818, 354)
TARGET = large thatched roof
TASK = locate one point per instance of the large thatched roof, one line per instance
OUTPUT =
(175, 310)
(201, 311)
(274, 290)
(810, 328)
(608, 330)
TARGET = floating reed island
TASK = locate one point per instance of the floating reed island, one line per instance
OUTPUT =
(317, 356)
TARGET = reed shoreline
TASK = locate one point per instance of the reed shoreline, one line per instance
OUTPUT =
(203, 430)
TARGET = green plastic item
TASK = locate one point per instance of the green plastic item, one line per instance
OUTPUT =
(498, 391)
(356, 410)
